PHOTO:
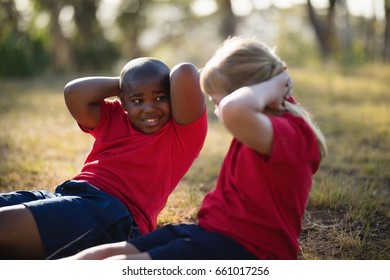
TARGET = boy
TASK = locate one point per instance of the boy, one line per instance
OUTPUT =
(144, 144)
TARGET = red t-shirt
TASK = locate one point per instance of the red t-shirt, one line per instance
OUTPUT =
(140, 169)
(260, 201)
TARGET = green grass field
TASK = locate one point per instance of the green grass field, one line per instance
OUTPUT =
(348, 214)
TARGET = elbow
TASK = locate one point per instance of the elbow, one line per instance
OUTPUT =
(234, 107)
(229, 112)
(232, 104)
(69, 93)
(70, 88)
(184, 69)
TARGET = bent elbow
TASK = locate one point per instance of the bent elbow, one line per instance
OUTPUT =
(68, 90)
(229, 112)
(184, 69)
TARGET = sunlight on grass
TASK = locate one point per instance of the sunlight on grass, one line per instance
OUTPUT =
(182, 206)
(200, 179)
(39, 140)
(352, 110)
(348, 244)
(206, 168)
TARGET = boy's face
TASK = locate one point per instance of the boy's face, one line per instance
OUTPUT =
(147, 104)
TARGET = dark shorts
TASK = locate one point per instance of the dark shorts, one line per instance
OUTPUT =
(75, 217)
(190, 242)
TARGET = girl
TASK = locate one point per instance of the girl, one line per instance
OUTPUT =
(256, 208)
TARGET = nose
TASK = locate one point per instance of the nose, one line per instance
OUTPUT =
(149, 107)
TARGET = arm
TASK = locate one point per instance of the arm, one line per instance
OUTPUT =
(243, 111)
(83, 96)
(187, 99)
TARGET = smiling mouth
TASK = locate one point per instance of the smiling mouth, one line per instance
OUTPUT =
(151, 121)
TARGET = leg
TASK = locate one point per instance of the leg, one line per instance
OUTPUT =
(140, 256)
(106, 251)
(188, 242)
(19, 235)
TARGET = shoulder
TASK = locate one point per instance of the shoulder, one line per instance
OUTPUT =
(190, 136)
(294, 140)
(110, 109)
(288, 123)
(110, 106)
(199, 124)
(113, 103)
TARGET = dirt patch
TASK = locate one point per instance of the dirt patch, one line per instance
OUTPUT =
(330, 235)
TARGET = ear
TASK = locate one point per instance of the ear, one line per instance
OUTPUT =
(122, 98)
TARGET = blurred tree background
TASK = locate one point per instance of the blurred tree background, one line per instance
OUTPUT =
(68, 36)
(337, 49)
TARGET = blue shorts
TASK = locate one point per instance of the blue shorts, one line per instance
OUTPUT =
(190, 242)
(75, 217)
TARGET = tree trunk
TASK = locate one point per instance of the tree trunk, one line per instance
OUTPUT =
(324, 29)
(229, 20)
(386, 49)
(59, 48)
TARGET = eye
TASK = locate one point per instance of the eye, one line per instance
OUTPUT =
(136, 101)
(162, 98)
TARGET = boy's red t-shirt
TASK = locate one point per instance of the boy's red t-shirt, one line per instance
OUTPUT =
(260, 201)
(140, 169)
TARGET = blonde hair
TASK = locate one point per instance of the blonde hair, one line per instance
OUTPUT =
(240, 62)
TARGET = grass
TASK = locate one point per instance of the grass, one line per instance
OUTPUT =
(348, 213)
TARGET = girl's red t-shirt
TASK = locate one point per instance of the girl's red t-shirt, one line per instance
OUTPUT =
(259, 201)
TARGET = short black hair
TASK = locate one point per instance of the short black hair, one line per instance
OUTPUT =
(144, 67)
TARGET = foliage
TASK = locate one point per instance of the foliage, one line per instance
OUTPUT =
(145, 28)
(21, 55)
(98, 55)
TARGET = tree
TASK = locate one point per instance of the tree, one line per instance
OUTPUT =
(90, 49)
(87, 48)
(21, 54)
(229, 20)
(387, 32)
(59, 45)
(324, 28)
(132, 21)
